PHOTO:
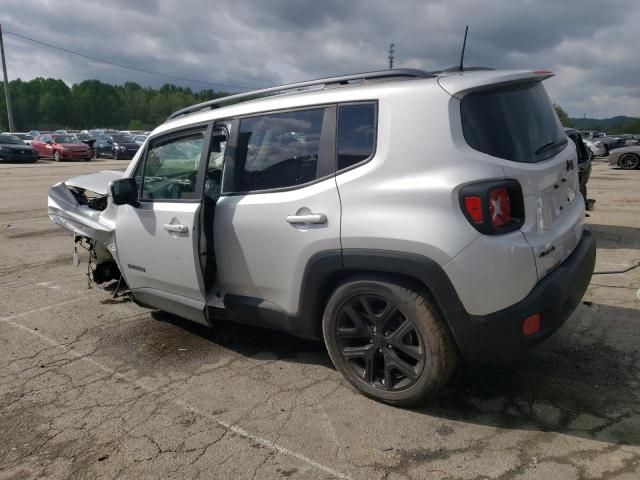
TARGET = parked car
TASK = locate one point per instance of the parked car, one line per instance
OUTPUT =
(25, 137)
(606, 143)
(139, 139)
(321, 213)
(627, 158)
(584, 160)
(61, 147)
(116, 146)
(12, 149)
(597, 148)
(88, 140)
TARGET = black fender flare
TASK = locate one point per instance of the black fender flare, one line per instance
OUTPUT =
(325, 269)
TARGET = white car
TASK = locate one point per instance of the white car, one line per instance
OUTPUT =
(408, 219)
(598, 149)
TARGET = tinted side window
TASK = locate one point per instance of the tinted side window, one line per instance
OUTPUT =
(356, 133)
(276, 150)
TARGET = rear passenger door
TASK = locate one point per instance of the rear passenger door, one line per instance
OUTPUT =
(279, 205)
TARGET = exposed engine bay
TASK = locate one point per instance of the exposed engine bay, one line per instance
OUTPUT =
(81, 205)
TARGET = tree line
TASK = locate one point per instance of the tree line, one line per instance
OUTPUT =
(615, 126)
(50, 104)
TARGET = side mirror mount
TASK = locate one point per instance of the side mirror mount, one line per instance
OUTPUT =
(124, 192)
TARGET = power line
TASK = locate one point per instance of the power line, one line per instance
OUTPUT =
(115, 64)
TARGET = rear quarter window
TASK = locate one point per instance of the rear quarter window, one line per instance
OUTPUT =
(356, 133)
(516, 123)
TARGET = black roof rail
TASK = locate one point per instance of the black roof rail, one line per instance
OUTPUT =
(324, 82)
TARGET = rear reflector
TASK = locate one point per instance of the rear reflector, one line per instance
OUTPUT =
(531, 324)
(473, 205)
(499, 207)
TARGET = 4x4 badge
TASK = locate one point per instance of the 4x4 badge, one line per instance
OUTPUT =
(569, 165)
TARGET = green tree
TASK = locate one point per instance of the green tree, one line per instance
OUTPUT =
(562, 115)
(49, 104)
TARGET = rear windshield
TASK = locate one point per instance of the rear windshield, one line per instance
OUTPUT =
(516, 123)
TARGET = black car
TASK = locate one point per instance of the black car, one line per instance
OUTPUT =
(12, 149)
(584, 160)
(117, 146)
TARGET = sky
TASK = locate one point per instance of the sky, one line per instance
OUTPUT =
(590, 45)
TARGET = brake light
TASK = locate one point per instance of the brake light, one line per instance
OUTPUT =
(493, 207)
(499, 207)
(531, 324)
(473, 204)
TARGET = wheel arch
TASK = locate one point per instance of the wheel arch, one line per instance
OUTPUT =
(327, 269)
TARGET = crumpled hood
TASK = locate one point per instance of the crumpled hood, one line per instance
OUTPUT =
(95, 182)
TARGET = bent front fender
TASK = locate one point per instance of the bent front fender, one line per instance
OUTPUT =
(66, 211)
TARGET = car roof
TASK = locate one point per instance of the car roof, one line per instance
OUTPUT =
(453, 82)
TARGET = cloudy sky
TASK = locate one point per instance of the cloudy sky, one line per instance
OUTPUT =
(591, 45)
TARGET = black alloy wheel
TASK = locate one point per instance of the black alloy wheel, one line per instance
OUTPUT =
(389, 340)
(629, 161)
(379, 343)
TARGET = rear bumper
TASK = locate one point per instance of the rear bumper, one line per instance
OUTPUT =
(498, 337)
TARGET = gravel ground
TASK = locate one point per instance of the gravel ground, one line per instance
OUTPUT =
(95, 387)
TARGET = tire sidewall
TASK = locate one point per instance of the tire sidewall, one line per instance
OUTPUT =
(409, 309)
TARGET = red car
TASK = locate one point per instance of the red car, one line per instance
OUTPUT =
(61, 147)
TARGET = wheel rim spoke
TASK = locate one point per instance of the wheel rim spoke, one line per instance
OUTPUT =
(379, 343)
(358, 322)
(394, 361)
(399, 333)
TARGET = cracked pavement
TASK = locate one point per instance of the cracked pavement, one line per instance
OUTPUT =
(92, 387)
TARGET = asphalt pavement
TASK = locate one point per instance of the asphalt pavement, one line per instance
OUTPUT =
(97, 387)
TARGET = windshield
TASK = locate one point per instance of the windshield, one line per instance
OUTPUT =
(8, 139)
(65, 139)
(23, 136)
(121, 138)
(516, 123)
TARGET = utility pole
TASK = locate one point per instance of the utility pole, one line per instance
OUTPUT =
(391, 56)
(7, 96)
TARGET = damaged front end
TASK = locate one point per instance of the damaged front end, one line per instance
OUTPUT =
(82, 205)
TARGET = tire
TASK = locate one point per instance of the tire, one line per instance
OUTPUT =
(87, 159)
(56, 156)
(389, 360)
(116, 156)
(629, 161)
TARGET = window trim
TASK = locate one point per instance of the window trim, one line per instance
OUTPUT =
(326, 139)
(375, 136)
(205, 130)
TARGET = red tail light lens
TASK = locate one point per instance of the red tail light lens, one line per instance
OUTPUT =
(499, 207)
(493, 207)
(473, 205)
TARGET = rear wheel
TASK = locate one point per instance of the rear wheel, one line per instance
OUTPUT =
(56, 156)
(389, 341)
(629, 161)
(87, 159)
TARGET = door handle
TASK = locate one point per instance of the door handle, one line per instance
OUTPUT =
(308, 218)
(176, 228)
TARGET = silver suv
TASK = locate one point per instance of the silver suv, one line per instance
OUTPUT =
(409, 219)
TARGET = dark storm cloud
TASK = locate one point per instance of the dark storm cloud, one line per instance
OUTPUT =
(255, 43)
